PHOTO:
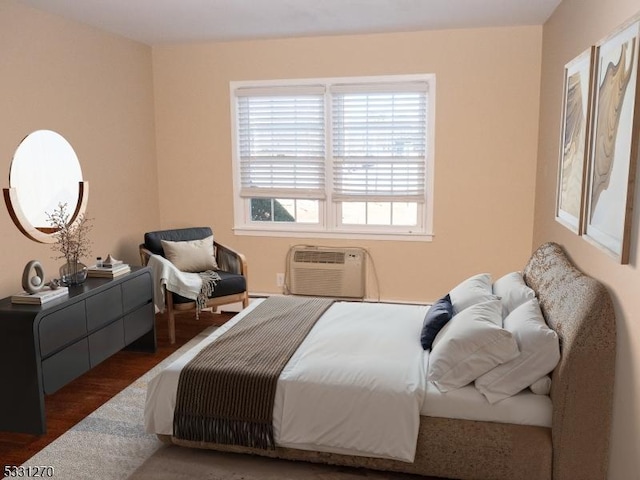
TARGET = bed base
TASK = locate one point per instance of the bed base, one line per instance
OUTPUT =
(447, 448)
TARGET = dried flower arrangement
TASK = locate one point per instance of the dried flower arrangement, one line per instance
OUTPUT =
(72, 240)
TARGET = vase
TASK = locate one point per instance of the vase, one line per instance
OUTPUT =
(73, 273)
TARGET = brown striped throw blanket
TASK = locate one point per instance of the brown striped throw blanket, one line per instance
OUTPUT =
(226, 393)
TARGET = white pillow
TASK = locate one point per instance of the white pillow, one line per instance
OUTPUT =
(539, 354)
(542, 386)
(473, 290)
(191, 256)
(471, 344)
(512, 291)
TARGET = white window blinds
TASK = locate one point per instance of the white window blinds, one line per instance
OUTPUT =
(281, 141)
(379, 141)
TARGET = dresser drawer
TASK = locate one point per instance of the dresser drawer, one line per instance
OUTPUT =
(138, 322)
(61, 328)
(136, 292)
(105, 342)
(104, 308)
(64, 366)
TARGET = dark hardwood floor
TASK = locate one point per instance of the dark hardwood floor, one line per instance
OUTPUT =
(74, 401)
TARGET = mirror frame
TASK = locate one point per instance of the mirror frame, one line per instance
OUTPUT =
(24, 225)
(20, 219)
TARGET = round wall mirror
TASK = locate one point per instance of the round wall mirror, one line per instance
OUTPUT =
(44, 173)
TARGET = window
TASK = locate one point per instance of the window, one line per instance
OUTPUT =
(334, 157)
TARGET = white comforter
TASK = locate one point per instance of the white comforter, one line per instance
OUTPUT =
(355, 385)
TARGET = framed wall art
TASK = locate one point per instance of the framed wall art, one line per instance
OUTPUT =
(574, 140)
(613, 148)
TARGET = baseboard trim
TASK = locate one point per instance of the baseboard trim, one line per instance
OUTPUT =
(237, 307)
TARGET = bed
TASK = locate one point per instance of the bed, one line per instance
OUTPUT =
(562, 436)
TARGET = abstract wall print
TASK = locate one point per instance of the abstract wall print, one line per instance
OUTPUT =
(614, 143)
(574, 143)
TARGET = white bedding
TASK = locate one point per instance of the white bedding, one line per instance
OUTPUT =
(467, 403)
(310, 416)
(372, 407)
(355, 385)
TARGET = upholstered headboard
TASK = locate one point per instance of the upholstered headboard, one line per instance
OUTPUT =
(580, 310)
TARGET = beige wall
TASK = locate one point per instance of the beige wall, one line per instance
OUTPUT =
(486, 144)
(575, 26)
(98, 90)
(95, 89)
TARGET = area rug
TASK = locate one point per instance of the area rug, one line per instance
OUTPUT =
(179, 463)
(111, 444)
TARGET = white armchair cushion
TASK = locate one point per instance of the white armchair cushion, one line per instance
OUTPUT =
(471, 344)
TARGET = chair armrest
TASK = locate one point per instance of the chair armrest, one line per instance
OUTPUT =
(144, 255)
(230, 260)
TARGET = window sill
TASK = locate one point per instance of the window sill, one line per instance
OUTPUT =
(352, 234)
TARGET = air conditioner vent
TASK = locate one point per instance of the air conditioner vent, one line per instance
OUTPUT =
(327, 271)
(319, 256)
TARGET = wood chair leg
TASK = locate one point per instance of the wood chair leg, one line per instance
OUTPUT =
(172, 317)
(172, 326)
(245, 300)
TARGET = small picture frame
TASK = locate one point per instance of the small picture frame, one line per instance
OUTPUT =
(613, 151)
(574, 140)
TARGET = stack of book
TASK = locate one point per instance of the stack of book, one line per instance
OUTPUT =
(110, 271)
(43, 296)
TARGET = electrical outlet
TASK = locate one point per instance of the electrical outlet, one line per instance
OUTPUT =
(280, 279)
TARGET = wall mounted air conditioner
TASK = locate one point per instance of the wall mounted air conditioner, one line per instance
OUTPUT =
(327, 271)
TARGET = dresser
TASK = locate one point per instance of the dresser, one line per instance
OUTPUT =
(46, 347)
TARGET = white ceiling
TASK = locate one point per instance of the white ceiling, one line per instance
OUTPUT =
(176, 21)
